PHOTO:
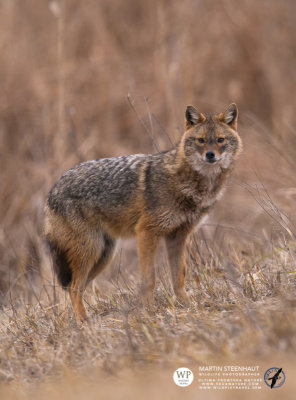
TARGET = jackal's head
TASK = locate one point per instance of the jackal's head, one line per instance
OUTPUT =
(211, 141)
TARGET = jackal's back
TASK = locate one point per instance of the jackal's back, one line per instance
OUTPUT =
(104, 183)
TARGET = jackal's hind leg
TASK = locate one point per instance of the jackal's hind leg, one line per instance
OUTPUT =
(76, 290)
(107, 253)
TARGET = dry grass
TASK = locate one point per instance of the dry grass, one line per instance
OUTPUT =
(66, 70)
(243, 307)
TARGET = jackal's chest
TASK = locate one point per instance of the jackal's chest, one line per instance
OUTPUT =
(211, 198)
(203, 206)
(191, 208)
(202, 196)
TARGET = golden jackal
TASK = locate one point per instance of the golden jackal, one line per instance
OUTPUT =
(151, 196)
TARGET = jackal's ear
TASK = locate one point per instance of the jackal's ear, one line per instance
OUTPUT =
(229, 116)
(193, 117)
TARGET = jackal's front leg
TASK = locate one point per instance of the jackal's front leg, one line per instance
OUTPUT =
(175, 244)
(147, 246)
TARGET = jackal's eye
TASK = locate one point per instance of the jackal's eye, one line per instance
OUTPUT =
(201, 140)
(220, 140)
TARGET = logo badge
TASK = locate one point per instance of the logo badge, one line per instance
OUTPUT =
(274, 377)
(183, 377)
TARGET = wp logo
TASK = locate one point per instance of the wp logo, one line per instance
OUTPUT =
(183, 377)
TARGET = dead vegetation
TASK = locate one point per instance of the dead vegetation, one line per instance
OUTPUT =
(66, 71)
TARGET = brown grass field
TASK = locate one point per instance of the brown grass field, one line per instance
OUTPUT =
(84, 80)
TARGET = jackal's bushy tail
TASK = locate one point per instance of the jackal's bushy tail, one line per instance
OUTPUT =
(61, 264)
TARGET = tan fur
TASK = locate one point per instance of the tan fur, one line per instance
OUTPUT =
(165, 195)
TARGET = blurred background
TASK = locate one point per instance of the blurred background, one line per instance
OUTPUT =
(84, 80)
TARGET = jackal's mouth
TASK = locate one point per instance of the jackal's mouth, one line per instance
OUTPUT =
(212, 161)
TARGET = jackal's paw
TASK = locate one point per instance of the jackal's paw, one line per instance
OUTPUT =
(81, 318)
(148, 301)
(182, 298)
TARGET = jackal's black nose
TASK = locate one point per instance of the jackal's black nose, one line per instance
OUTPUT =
(210, 155)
